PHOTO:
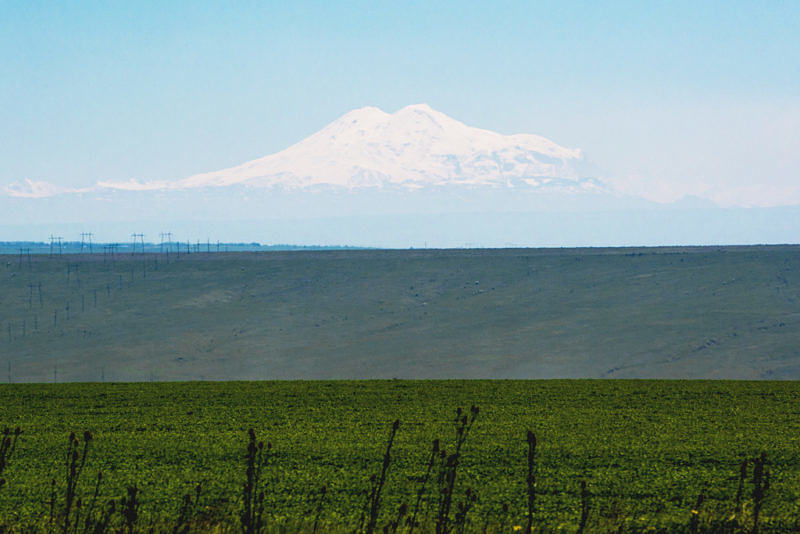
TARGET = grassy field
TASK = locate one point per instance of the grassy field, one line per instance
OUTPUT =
(646, 448)
(711, 312)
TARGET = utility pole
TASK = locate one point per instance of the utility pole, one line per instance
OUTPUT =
(109, 250)
(168, 235)
(86, 236)
(140, 237)
(22, 252)
(59, 238)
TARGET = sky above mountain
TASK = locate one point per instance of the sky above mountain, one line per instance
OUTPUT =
(668, 99)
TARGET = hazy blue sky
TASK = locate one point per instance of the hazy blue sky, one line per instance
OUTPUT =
(667, 97)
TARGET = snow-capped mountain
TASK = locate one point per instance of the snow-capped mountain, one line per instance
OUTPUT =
(368, 178)
(413, 148)
(367, 148)
(415, 177)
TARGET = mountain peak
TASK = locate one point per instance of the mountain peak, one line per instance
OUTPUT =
(371, 112)
(417, 108)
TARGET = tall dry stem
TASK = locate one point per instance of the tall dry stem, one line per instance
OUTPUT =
(375, 505)
(531, 479)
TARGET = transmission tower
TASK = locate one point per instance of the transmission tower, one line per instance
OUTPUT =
(167, 235)
(136, 237)
(86, 241)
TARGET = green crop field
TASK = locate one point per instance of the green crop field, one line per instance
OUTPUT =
(647, 450)
(707, 312)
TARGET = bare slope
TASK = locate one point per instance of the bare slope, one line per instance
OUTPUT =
(695, 313)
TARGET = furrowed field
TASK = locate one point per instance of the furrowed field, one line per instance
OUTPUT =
(647, 449)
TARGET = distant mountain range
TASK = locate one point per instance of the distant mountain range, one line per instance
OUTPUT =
(414, 148)
(408, 178)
